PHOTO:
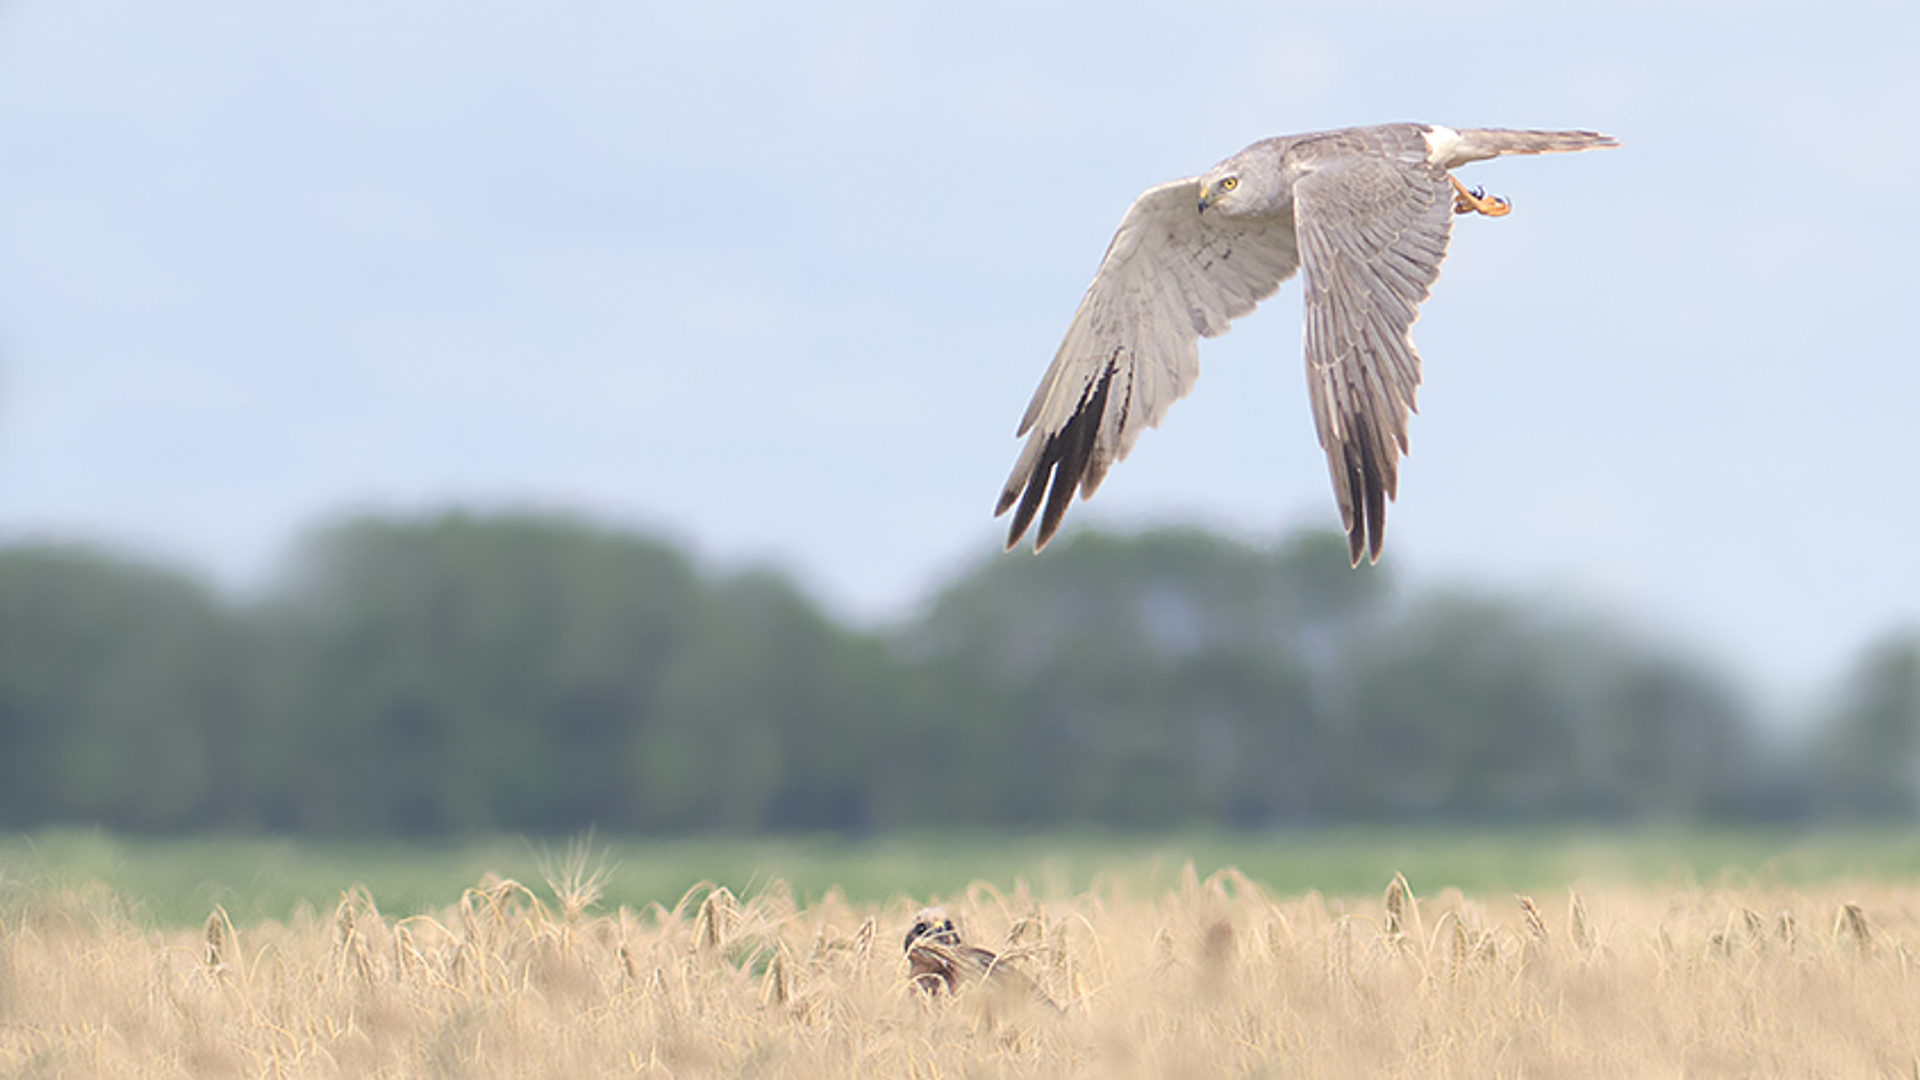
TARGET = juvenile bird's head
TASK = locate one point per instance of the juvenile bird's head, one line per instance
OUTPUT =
(932, 924)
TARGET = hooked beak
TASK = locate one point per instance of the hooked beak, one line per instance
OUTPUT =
(1206, 199)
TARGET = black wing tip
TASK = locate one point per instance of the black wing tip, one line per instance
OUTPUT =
(1065, 466)
(1369, 487)
(1029, 500)
(1053, 485)
(1367, 536)
(1016, 529)
(1006, 500)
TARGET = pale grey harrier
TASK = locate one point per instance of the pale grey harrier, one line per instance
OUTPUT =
(1366, 211)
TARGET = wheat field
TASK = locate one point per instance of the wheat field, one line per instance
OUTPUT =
(1213, 977)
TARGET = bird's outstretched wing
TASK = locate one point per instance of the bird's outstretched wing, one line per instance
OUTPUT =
(1372, 233)
(1171, 276)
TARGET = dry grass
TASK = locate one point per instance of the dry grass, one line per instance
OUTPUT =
(1215, 978)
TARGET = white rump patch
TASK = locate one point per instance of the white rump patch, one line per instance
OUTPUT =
(1441, 143)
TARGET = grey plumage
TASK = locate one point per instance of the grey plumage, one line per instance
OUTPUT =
(1365, 212)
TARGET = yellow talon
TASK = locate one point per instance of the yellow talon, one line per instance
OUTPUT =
(1477, 201)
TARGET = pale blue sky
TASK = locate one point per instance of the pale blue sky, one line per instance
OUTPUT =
(780, 281)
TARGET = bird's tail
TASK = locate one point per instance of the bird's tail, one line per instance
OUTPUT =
(1479, 144)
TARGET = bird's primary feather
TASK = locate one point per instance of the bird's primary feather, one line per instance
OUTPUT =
(1366, 212)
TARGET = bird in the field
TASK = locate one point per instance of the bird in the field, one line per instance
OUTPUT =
(1364, 212)
(938, 960)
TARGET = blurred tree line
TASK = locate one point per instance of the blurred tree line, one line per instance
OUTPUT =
(458, 673)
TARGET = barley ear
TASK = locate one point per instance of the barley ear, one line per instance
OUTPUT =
(1785, 926)
(1536, 926)
(1578, 928)
(1340, 953)
(219, 932)
(1462, 951)
(1396, 903)
(715, 920)
(777, 987)
(1851, 924)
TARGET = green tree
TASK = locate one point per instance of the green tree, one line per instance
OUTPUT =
(1473, 707)
(1454, 711)
(769, 718)
(1867, 752)
(462, 672)
(458, 672)
(122, 689)
(1134, 680)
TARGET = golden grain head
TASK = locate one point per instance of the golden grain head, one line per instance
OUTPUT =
(1578, 928)
(715, 920)
(218, 930)
(1850, 923)
(1396, 905)
(1536, 926)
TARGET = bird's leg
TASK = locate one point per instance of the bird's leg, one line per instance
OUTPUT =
(1477, 201)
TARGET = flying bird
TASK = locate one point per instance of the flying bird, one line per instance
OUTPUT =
(1365, 212)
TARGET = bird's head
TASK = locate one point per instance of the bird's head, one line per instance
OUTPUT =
(1238, 186)
(932, 924)
(1215, 191)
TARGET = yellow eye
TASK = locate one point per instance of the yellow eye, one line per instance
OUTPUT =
(1229, 183)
